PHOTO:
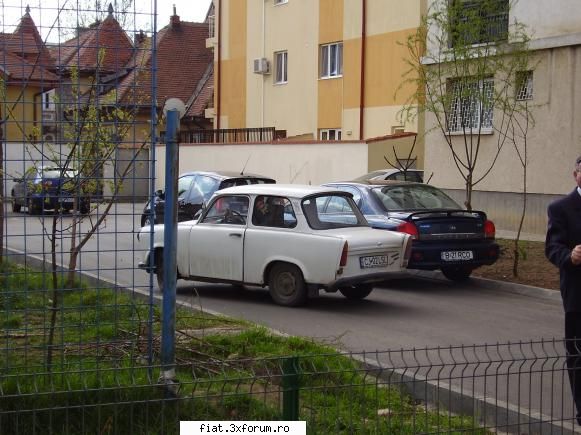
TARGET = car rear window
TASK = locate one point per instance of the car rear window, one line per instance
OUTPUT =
(332, 211)
(414, 197)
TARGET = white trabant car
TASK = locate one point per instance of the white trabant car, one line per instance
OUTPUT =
(278, 236)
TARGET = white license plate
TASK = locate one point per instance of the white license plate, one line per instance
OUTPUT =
(66, 200)
(373, 261)
(457, 255)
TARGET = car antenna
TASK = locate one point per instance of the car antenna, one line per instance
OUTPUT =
(244, 167)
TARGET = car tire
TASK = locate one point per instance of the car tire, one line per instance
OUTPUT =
(356, 292)
(457, 273)
(16, 207)
(33, 208)
(286, 285)
(84, 207)
(146, 221)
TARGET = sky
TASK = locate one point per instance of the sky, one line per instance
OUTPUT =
(44, 13)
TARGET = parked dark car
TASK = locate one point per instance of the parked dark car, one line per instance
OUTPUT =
(416, 175)
(446, 236)
(194, 190)
(48, 188)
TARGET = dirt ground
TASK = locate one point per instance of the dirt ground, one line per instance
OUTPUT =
(534, 269)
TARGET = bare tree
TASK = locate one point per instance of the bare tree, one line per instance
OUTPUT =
(463, 62)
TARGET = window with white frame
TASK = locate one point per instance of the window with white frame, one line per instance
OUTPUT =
(524, 85)
(331, 60)
(281, 62)
(330, 134)
(471, 105)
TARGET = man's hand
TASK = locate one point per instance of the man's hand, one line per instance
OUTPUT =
(576, 255)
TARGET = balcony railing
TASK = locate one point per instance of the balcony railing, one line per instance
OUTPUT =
(230, 135)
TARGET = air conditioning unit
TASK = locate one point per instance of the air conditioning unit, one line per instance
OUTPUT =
(48, 116)
(261, 66)
(48, 138)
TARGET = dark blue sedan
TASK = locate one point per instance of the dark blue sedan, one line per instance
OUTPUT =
(446, 237)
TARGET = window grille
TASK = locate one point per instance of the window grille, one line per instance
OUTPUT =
(524, 85)
(471, 105)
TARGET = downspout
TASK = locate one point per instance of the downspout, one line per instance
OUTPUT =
(219, 65)
(362, 69)
(263, 55)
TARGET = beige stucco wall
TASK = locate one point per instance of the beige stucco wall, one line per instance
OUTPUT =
(292, 27)
(299, 163)
(553, 142)
(548, 18)
(390, 148)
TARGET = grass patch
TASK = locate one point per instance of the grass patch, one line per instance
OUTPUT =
(104, 379)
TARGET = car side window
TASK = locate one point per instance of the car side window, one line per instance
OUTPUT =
(184, 184)
(273, 211)
(231, 210)
(203, 188)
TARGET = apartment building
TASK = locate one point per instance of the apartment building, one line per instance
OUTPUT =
(550, 88)
(318, 69)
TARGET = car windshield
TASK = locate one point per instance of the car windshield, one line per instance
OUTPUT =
(56, 173)
(414, 197)
(244, 182)
(332, 211)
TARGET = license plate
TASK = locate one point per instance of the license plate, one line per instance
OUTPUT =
(457, 255)
(66, 200)
(373, 261)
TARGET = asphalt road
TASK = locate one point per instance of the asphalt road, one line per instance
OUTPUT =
(415, 312)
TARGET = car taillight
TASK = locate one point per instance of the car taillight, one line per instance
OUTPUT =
(489, 230)
(344, 254)
(407, 251)
(408, 228)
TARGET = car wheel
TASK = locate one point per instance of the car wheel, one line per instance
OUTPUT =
(356, 291)
(457, 273)
(16, 207)
(287, 285)
(85, 207)
(33, 208)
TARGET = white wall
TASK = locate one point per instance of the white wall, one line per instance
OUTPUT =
(299, 163)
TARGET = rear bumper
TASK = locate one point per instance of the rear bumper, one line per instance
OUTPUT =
(363, 279)
(427, 256)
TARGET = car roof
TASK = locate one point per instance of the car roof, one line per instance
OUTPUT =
(288, 190)
(226, 174)
(373, 183)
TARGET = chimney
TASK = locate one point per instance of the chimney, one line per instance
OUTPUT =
(174, 20)
(139, 37)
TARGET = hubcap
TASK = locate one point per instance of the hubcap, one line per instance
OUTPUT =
(286, 284)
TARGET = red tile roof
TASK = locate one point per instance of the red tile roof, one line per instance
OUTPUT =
(27, 43)
(182, 60)
(15, 69)
(83, 52)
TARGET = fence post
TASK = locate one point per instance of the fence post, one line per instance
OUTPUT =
(290, 389)
(168, 374)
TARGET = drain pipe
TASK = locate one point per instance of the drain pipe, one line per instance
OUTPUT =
(362, 69)
(219, 65)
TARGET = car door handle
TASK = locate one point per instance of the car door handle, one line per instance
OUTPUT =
(235, 235)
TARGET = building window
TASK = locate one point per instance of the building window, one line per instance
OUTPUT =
(471, 105)
(331, 60)
(524, 85)
(478, 21)
(330, 134)
(281, 63)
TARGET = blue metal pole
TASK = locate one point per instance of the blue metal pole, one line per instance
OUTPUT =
(169, 249)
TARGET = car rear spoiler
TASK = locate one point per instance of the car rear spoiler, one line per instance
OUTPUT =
(447, 213)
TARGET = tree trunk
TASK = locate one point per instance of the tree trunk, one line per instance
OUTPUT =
(55, 296)
(520, 225)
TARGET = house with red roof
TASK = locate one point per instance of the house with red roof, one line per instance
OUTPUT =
(26, 72)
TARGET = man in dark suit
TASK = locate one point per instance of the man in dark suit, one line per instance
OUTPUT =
(563, 249)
